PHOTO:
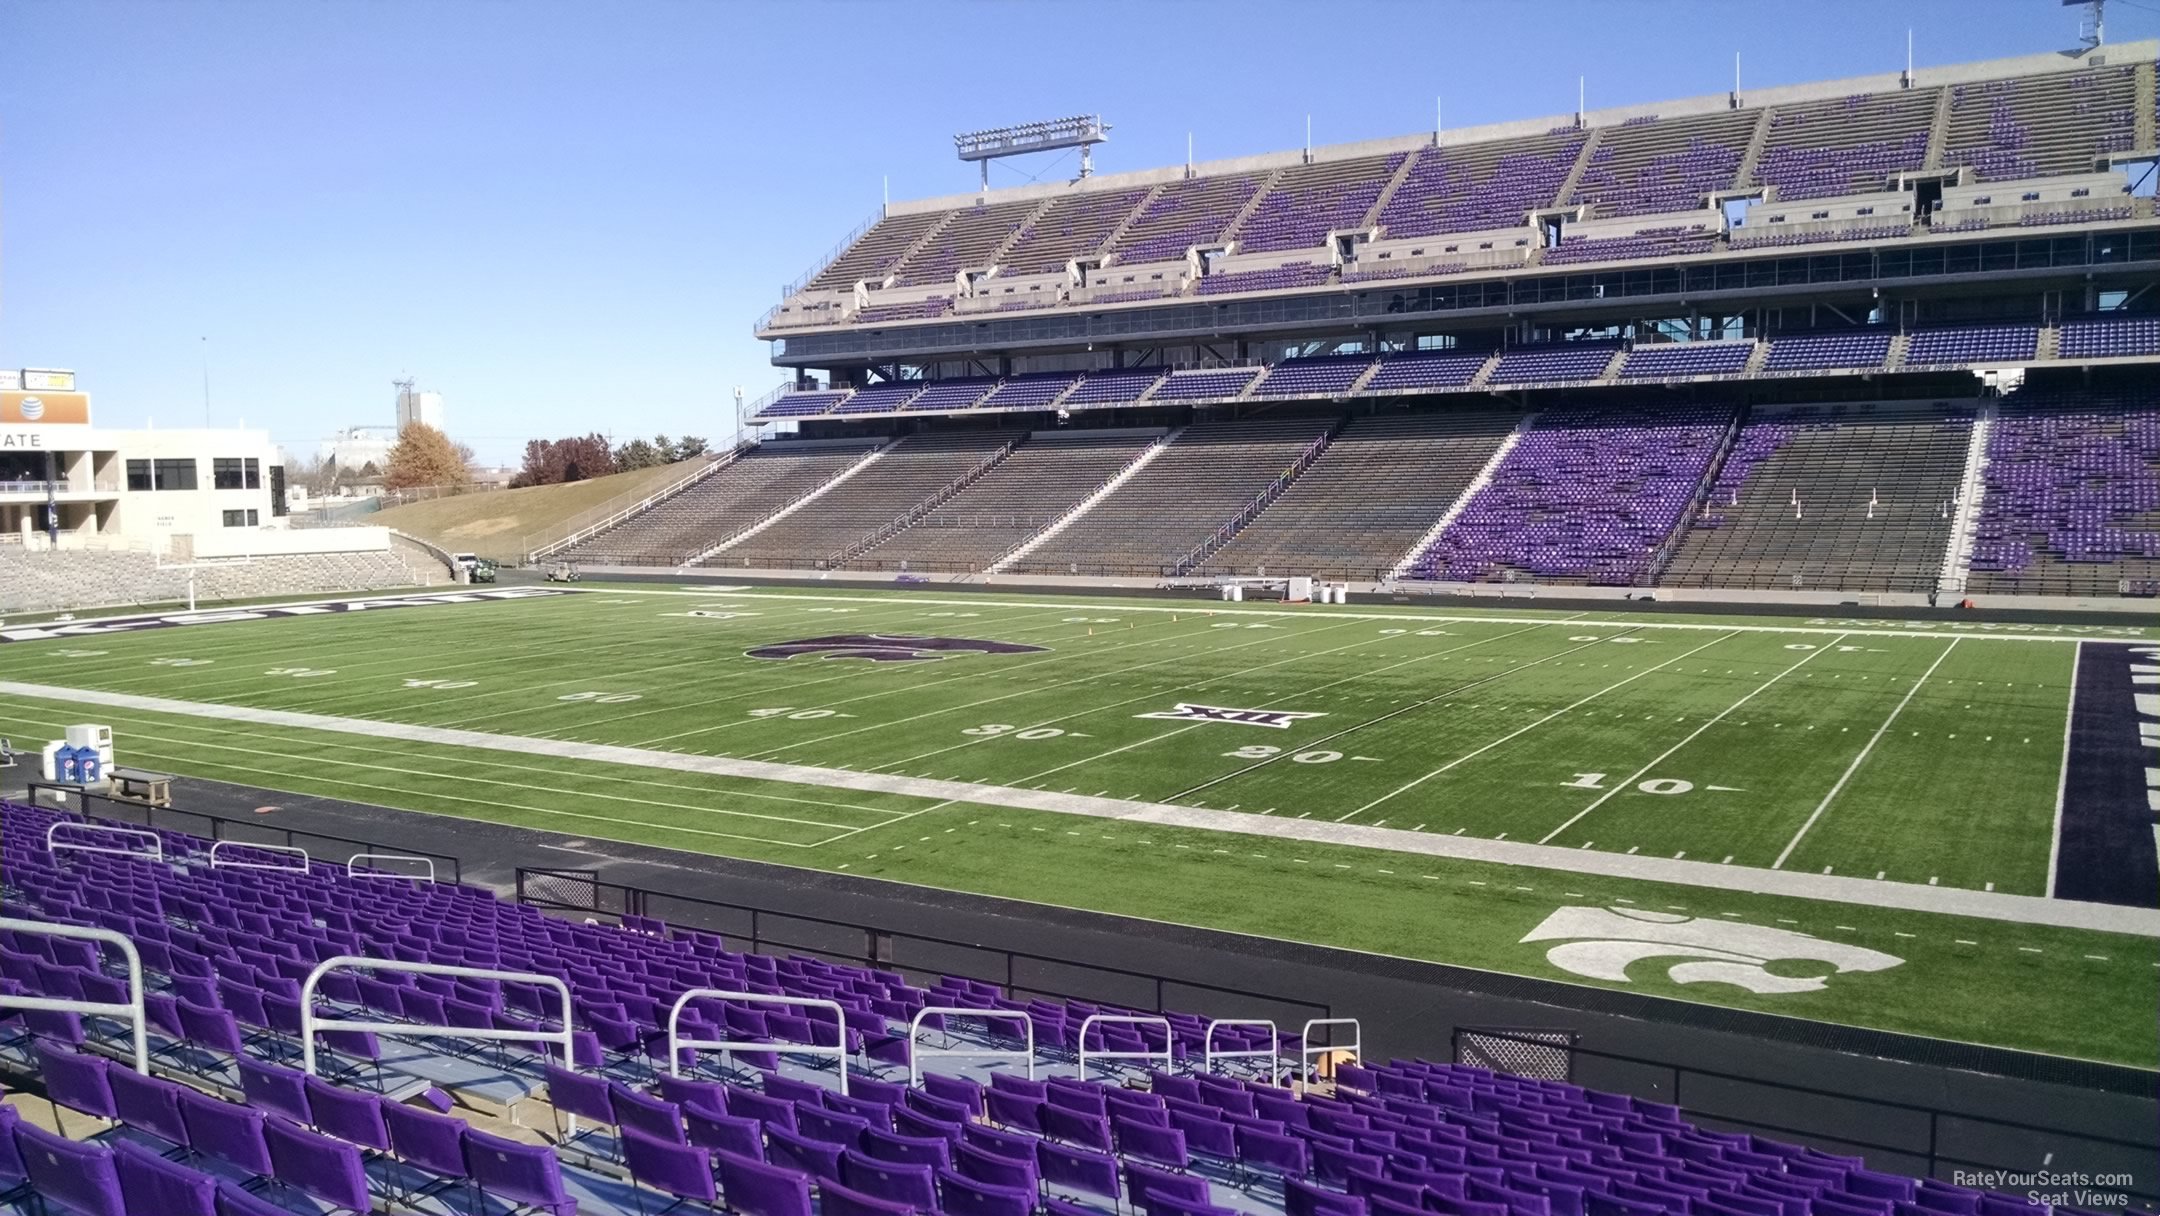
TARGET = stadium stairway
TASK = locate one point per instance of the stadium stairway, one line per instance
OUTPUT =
(878, 493)
(1826, 498)
(1081, 508)
(320, 1040)
(747, 490)
(1377, 487)
(1180, 499)
(1022, 496)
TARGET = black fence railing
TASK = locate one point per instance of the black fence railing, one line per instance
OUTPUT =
(1943, 1139)
(327, 847)
(919, 956)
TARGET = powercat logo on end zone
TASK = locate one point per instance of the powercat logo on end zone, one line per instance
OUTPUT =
(887, 648)
(33, 633)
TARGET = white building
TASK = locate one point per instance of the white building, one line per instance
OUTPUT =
(65, 481)
(415, 405)
(357, 447)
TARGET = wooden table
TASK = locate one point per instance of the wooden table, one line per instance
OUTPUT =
(139, 785)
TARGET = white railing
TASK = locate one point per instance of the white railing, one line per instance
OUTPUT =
(727, 1047)
(1259, 502)
(920, 510)
(1120, 1019)
(918, 1053)
(1273, 1054)
(312, 1023)
(131, 1012)
(621, 507)
(810, 496)
(353, 868)
(1306, 1050)
(219, 861)
(55, 845)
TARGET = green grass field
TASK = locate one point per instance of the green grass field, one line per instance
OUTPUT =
(1852, 749)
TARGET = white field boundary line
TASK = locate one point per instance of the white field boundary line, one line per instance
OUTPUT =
(1637, 775)
(1861, 759)
(2062, 776)
(195, 747)
(1977, 632)
(1949, 901)
(1401, 789)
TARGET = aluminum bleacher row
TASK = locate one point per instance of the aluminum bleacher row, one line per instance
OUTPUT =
(1352, 376)
(1635, 491)
(449, 1010)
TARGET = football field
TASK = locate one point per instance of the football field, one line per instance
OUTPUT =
(1872, 797)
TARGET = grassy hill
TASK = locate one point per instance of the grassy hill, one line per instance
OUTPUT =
(502, 523)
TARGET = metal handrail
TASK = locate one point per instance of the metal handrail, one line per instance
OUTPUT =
(914, 515)
(53, 845)
(917, 1053)
(1306, 1051)
(1258, 503)
(614, 514)
(678, 1044)
(1273, 1054)
(1122, 1019)
(311, 1024)
(132, 1010)
(353, 870)
(217, 863)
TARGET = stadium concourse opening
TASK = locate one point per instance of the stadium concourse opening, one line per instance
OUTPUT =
(899, 814)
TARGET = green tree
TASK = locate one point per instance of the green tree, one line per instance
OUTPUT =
(639, 454)
(686, 448)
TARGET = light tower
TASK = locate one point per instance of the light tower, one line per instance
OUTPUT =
(1082, 131)
(2092, 28)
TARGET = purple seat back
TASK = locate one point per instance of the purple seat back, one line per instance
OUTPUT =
(837, 1200)
(232, 1134)
(326, 1168)
(76, 1081)
(655, 1117)
(911, 1150)
(813, 1157)
(150, 1104)
(724, 1133)
(280, 1091)
(1144, 1183)
(79, 1178)
(830, 1126)
(984, 1166)
(963, 1196)
(523, 1173)
(1150, 1143)
(149, 1183)
(665, 1165)
(1077, 1169)
(753, 1188)
(772, 1112)
(435, 1143)
(1305, 1199)
(232, 1201)
(967, 1093)
(1086, 1129)
(348, 1114)
(892, 1181)
(579, 1094)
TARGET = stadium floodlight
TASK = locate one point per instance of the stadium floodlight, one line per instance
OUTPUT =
(1082, 131)
(2092, 29)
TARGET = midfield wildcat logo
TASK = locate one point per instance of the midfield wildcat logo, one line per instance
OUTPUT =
(887, 648)
(1607, 940)
(1280, 719)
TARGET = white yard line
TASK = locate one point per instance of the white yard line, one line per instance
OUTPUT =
(1414, 706)
(1405, 788)
(2023, 909)
(2062, 777)
(1629, 782)
(1860, 759)
(1288, 696)
(1983, 631)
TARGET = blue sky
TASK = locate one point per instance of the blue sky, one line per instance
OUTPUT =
(566, 216)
